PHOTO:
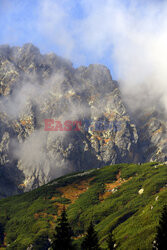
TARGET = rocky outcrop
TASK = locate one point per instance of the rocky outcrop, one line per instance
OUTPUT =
(35, 87)
(152, 130)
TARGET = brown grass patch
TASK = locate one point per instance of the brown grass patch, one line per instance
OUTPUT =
(41, 214)
(110, 186)
(72, 193)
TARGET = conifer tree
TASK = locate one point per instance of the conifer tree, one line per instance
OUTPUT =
(1, 234)
(41, 243)
(62, 240)
(90, 241)
(110, 241)
(160, 241)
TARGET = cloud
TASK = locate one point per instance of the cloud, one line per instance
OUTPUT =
(30, 91)
(131, 34)
(53, 22)
(134, 37)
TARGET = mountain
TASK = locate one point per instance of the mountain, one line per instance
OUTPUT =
(127, 198)
(35, 88)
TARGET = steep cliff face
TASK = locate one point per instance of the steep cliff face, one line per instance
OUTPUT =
(34, 87)
(152, 130)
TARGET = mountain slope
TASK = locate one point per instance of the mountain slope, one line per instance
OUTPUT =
(35, 87)
(125, 197)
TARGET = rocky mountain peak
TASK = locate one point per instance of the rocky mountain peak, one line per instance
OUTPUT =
(35, 87)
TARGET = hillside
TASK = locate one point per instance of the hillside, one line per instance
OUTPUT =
(125, 197)
(35, 87)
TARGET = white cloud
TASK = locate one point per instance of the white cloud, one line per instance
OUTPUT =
(53, 23)
(135, 39)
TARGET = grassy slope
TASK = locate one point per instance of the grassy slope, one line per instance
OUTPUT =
(133, 216)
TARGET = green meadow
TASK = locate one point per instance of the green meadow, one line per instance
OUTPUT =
(131, 209)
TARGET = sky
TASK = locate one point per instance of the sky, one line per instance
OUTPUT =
(115, 33)
(128, 36)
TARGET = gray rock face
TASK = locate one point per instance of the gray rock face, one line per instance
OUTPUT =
(34, 87)
(152, 130)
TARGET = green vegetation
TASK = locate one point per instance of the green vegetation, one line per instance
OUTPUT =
(62, 239)
(131, 209)
(110, 241)
(160, 241)
(91, 241)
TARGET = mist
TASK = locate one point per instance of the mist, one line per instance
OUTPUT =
(131, 34)
(127, 36)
